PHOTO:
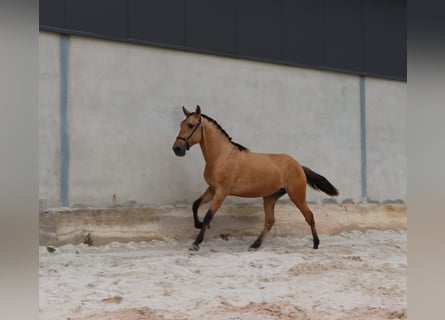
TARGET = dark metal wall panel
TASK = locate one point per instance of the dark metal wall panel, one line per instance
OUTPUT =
(259, 28)
(343, 40)
(161, 21)
(52, 13)
(385, 35)
(303, 33)
(366, 37)
(211, 25)
(105, 17)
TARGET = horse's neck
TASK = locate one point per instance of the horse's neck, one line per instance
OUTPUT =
(214, 145)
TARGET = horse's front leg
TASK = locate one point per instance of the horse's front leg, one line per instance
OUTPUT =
(216, 204)
(205, 198)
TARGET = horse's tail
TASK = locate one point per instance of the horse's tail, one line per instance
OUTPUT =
(319, 182)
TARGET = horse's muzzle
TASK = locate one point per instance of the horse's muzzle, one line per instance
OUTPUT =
(180, 152)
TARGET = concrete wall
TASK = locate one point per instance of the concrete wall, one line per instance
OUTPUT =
(124, 111)
(59, 226)
(386, 107)
(49, 119)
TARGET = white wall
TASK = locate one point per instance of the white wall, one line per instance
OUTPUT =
(49, 116)
(124, 112)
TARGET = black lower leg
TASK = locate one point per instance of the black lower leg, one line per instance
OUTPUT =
(198, 224)
(316, 241)
(208, 217)
(310, 220)
(257, 242)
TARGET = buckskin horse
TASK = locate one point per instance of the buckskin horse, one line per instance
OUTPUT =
(232, 169)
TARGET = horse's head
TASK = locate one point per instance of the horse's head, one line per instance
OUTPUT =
(190, 132)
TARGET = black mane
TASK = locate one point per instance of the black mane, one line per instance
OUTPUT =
(240, 147)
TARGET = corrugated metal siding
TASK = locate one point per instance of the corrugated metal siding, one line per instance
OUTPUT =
(366, 37)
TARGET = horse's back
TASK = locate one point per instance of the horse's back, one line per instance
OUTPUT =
(278, 161)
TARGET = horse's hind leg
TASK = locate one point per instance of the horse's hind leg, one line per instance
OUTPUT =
(301, 204)
(205, 198)
(269, 219)
(309, 216)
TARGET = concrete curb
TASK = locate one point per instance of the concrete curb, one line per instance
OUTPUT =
(62, 226)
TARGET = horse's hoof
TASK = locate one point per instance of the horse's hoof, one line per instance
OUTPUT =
(198, 225)
(256, 245)
(194, 247)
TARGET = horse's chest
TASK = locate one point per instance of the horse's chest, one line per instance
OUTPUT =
(209, 177)
(214, 176)
(222, 175)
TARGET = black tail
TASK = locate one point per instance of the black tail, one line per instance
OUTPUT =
(319, 182)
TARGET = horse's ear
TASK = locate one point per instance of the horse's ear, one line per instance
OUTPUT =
(198, 110)
(186, 112)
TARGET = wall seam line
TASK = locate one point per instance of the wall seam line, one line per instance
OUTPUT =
(363, 155)
(64, 128)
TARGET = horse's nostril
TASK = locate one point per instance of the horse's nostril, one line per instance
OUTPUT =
(178, 150)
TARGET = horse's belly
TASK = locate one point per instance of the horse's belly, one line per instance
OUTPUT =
(259, 186)
(253, 192)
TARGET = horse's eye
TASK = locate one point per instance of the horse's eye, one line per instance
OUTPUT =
(191, 126)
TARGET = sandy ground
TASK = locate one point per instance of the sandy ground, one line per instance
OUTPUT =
(354, 275)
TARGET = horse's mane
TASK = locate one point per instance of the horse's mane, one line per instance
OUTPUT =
(240, 147)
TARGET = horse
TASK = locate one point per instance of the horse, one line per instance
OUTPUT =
(233, 170)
